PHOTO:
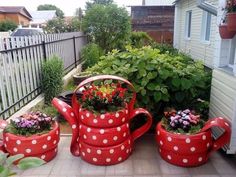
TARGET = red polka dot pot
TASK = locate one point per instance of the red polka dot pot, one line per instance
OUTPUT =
(102, 139)
(42, 146)
(191, 150)
(109, 155)
(104, 136)
(103, 120)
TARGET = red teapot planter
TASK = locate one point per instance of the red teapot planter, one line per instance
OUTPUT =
(191, 150)
(102, 139)
(42, 146)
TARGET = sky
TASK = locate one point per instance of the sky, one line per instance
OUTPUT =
(67, 6)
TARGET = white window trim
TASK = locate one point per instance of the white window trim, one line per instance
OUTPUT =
(187, 26)
(203, 29)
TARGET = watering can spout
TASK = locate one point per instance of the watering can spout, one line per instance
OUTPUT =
(69, 114)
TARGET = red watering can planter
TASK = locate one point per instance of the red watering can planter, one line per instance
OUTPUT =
(191, 150)
(102, 139)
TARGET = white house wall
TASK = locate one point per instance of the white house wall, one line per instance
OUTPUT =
(198, 49)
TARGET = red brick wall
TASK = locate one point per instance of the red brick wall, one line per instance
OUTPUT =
(157, 21)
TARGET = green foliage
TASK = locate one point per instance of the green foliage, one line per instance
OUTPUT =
(160, 80)
(7, 25)
(52, 73)
(90, 3)
(139, 39)
(6, 163)
(91, 54)
(59, 12)
(165, 48)
(108, 25)
(59, 25)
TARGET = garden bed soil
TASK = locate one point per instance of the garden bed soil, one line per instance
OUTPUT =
(65, 128)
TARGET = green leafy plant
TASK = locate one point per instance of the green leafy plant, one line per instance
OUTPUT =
(165, 48)
(91, 54)
(139, 39)
(160, 79)
(6, 163)
(52, 73)
(108, 25)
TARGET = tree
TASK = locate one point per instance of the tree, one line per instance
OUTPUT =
(59, 25)
(109, 25)
(79, 13)
(92, 2)
(56, 25)
(7, 25)
(59, 12)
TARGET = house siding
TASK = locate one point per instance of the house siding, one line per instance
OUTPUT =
(198, 49)
(223, 101)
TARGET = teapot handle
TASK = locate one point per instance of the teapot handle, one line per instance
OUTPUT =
(75, 103)
(224, 138)
(144, 128)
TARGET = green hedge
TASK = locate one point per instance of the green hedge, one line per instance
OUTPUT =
(160, 79)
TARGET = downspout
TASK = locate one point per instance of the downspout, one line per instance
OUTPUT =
(207, 7)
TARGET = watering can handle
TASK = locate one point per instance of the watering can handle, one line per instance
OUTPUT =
(143, 129)
(75, 103)
(224, 138)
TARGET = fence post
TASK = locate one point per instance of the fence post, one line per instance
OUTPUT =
(75, 52)
(44, 51)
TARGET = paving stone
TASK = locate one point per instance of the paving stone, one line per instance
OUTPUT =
(169, 169)
(205, 169)
(89, 169)
(123, 168)
(225, 166)
(146, 166)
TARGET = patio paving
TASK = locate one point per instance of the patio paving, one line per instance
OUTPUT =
(144, 162)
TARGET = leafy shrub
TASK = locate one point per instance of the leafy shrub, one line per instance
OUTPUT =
(139, 39)
(90, 55)
(7, 25)
(161, 80)
(165, 48)
(52, 73)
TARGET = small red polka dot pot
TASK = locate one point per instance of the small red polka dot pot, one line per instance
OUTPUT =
(42, 146)
(191, 150)
(102, 139)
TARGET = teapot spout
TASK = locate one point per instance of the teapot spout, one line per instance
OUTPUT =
(69, 114)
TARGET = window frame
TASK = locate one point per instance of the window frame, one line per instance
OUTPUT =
(188, 24)
(206, 27)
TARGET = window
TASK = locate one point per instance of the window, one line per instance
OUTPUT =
(206, 26)
(188, 21)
